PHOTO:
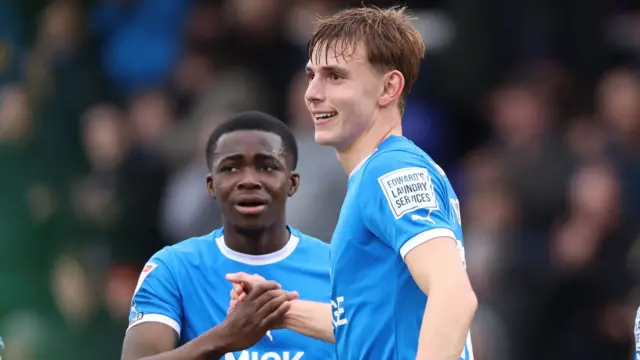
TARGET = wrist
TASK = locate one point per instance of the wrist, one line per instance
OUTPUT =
(217, 343)
(289, 318)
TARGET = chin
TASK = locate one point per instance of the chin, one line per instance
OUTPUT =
(323, 137)
(250, 226)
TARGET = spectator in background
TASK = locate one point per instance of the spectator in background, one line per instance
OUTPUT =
(187, 209)
(142, 40)
(151, 114)
(256, 33)
(619, 111)
(587, 304)
(29, 210)
(528, 173)
(83, 326)
(62, 83)
(117, 202)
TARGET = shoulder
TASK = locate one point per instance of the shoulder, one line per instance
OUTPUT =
(401, 166)
(310, 246)
(185, 250)
(405, 178)
(400, 158)
(309, 241)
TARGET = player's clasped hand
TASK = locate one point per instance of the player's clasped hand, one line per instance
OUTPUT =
(262, 306)
(242, 282)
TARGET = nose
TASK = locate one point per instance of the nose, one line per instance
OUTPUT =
(315, 91)
(249, 180)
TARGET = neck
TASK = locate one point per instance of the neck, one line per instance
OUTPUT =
(256, 241)
(367, 143)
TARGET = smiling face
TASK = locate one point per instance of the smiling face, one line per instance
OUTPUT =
(251, 178)
(362, 64)
(343, 94)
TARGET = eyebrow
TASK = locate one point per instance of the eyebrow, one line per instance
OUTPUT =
(327, 68)
(239, 156)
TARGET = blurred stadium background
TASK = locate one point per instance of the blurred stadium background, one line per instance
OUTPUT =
(531, 106)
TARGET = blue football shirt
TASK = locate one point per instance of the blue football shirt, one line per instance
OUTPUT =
(184, 287)
(397, 199)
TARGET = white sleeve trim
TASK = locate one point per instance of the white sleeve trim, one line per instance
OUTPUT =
(423, 237)
(160, 319)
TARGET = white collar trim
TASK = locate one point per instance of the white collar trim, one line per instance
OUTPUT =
(265, 259)
(360, 164)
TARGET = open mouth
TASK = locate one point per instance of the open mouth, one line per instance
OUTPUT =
(251, 207)
(322, 117)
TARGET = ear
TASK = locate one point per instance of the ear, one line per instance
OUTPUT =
(295, 182)
(210, 188)
(392, 90)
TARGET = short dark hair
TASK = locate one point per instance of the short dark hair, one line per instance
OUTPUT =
(257, 121)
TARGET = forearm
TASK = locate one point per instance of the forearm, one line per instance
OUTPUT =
(311, 319)
(445, 325)
(207, 346)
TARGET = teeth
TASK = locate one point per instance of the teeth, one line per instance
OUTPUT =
(326, 115)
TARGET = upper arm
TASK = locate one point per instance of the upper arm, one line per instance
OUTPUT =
(436, 264)
(409, 207)
(148, 339)
(156, 307)
(405, 201)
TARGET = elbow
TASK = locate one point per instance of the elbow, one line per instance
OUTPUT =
(468, 301)
(461, 297)
(472, 301)
(465, 300)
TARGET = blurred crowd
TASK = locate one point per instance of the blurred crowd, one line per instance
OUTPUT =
(532, 107)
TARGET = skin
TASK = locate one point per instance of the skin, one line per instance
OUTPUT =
(365, 98)
(254, 164)
(246, 164)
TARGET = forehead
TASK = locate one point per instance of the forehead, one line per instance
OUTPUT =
(249, 142)
(338, 53)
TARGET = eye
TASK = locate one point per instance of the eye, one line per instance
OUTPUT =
(335, 76)
(228, 168)
(270, 168)
(310, 76)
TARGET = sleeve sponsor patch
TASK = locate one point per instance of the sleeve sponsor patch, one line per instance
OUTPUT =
(407, 190)
(148, 268)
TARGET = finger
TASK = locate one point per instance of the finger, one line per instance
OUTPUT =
(233, 304)
(242, 296)
(276, 316)
(273, 303)
(292, 295)
(267, 297)
(244, 280)
(261, 289)
(247, 282)
(237, 277)
(258, 276)
(238, 288)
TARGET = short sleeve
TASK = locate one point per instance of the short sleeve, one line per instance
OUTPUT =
(404, 200)
(156, 297)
